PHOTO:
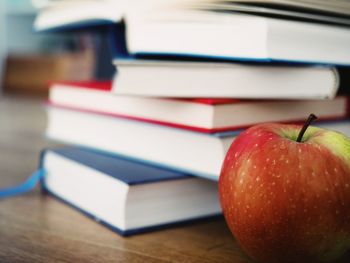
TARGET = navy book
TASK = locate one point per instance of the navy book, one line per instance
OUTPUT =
(126, 196)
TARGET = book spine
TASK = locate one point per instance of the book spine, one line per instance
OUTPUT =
(117, 41)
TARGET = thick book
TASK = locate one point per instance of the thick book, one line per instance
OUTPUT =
(177, 28)
(60, 13)
(126, 196)
(205, 115)
(182, 150)
(234, 36)
(223, 80)
(195, 153)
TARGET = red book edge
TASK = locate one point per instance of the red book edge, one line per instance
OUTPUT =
(107, 86)
(188, 127)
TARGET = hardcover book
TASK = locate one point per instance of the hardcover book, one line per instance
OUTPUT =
(223, 80)
(183, 150)
(90, 11)
(195, 153)
(235, 36)
(205, 115)
(126, 196)
(216, 30)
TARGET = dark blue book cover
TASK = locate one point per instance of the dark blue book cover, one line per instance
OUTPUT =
(121, 169)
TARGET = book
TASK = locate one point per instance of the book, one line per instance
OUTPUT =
(182, 28)
(335, 7)
(127, 197)
(206, 115)
(336, 12)
(235, 36)
(63, 14)
(195, 153)
(224, 80)
(182, 150)
(55, 14)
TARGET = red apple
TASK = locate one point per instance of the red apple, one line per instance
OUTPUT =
(288, 201)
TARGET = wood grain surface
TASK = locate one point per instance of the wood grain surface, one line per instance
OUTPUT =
(37, 228)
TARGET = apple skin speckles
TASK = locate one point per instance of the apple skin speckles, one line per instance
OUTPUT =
(294, 208)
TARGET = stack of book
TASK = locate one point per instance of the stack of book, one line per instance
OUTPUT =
(191, 75)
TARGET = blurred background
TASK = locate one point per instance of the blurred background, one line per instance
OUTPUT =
(30, 60)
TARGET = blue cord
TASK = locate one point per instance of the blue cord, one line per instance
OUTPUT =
(26, 186)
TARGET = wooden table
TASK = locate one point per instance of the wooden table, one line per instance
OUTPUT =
(38, 228)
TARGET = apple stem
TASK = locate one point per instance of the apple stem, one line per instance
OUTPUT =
(311, 118)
